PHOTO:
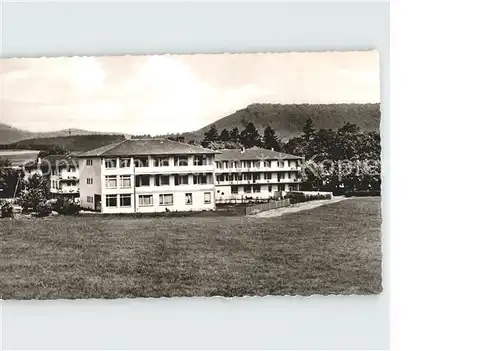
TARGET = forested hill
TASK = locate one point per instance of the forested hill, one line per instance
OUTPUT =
(71, 143)
(9, 134)
(289, 119)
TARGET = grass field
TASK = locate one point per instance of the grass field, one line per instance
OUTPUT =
(334, 249)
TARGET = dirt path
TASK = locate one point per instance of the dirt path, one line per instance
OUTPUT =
(298, 207)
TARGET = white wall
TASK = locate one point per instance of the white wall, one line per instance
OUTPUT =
(223, 192)
(179, 202)
(178, 191)
(86, 190)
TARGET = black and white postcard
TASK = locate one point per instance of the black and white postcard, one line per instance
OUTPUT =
(190, 175)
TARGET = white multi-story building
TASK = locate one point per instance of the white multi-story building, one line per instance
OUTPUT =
(63, 175)
(147, 175)
(255, 173)
(61, 172)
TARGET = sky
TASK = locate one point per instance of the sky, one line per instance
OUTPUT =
(161, 94)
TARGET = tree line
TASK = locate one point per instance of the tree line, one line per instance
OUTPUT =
(248, 137)
(346, 159)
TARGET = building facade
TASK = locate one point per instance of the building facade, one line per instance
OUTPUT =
(147, 175)
(61, 171)
(255, 173)
(64, 176)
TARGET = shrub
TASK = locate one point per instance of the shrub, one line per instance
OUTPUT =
(363, 193)
(43, 210)
(297, 197)
(30, 199)
(65, 206)
(35, 193)
(319, 197)
(6, 210)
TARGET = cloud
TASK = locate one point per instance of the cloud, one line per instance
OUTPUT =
(160, 95)
(173, 93)
(51, 80)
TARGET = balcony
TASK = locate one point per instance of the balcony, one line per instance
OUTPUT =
(68, 177)
(257, 169)
(172, 187)
(117, 170)
(174, 169)
(259, 181)
(65, 190)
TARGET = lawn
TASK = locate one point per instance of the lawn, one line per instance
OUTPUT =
(334, 249)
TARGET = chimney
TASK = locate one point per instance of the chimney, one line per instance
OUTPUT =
(181, 139)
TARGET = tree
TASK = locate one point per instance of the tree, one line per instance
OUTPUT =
(9, 178)
(6, 210)
(65, 206)
(270, 140)
(210, 135)
(141, 136)
(5, 162)
(349, 128)
(316, 175)
(342, 160)
(4, 166)
(308, 129)
(35, 193)
(235, 134)
(250, 136)
(218, 145)
(295, 146)
(224, 135)
(53, 150)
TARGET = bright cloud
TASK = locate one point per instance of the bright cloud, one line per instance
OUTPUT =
(173, 93)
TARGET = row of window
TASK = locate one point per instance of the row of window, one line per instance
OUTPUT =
(112, 181)
(199, 160)
(251, 176)
(55, 171)
(125, 181)
(159, 180)
(257, 188)
(254, 164)
(54, 184)
(125, 200)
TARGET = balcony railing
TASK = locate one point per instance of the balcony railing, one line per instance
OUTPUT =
(175, 169)
(256, 169)
(68, 177)
(257, 181)
(65, 190)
